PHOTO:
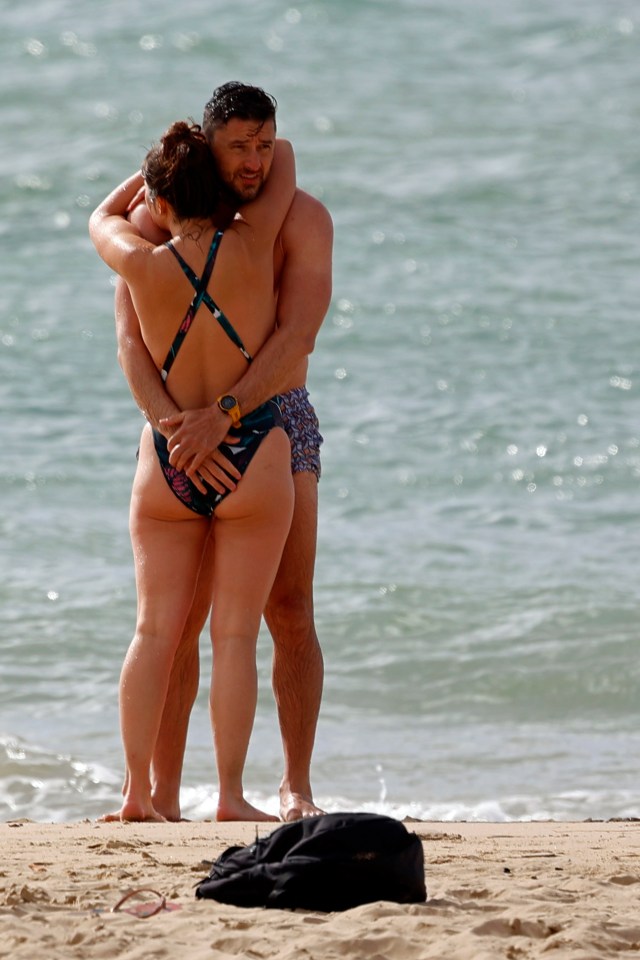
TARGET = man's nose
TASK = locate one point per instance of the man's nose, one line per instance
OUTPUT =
(252, 160)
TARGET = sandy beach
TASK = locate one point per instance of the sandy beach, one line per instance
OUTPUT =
(514, 890)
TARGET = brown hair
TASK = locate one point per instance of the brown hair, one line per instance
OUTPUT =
(180, 169)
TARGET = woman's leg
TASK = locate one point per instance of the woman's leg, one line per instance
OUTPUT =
(251, 527)
(168, 541)
(168, 756)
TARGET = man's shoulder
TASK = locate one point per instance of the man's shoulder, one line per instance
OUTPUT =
(307, 215)
(306, 203)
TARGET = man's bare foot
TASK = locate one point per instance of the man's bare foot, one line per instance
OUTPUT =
(169, 811)
(134, 813)
(296, 806)
(242, 810)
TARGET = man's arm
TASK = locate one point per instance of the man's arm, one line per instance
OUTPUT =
(303, 301)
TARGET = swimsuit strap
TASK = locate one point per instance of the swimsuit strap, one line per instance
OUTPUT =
(193, 278)
(200, 285)
(201, 296)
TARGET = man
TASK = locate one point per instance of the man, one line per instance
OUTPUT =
(240, 129)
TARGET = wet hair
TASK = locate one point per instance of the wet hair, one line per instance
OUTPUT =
(180, 169)
(240, 101)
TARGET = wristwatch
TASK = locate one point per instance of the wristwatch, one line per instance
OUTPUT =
(228, 404)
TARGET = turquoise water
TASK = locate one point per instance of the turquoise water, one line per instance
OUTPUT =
(476, 380)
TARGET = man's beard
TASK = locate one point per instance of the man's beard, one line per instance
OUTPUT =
(237, 197)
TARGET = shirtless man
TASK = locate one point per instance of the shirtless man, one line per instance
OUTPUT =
(303, 276)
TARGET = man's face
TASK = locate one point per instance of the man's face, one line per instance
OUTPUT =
(243, 151)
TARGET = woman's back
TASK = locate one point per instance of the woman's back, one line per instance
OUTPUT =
(241, 300)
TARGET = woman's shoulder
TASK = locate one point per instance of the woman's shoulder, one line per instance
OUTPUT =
(238, 238)
(149, 266)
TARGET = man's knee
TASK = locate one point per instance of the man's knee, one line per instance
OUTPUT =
(289, 616)
(187, 652)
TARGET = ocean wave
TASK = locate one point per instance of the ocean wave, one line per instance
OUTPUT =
(38, 784)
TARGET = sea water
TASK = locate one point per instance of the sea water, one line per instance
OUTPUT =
(476, 378)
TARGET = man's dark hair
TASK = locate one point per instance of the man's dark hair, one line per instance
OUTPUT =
(237, 100)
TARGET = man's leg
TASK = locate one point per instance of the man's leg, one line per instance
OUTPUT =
(298, 669)
(168, 756)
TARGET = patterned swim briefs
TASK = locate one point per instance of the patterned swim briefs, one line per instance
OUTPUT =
(302, 427)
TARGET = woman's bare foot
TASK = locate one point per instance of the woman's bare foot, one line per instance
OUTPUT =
(295, 806)
(130, 811)
(242, 810)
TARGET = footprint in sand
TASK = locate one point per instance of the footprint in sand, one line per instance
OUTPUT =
(624, 879)
(533, 929)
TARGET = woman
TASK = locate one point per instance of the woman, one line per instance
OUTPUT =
(206, 303)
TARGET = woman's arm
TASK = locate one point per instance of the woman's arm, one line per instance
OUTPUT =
(267, 212)
(113, 236)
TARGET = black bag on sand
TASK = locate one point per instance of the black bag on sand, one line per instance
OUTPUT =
(332, 862)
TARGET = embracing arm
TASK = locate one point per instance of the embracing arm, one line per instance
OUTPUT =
(116, 240)
(303, 301)
(115, 225)
(118, 226)
(143, 377)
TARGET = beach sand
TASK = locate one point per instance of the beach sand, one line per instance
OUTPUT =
(514, 890)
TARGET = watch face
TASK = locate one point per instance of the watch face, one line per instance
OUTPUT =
(228, 402)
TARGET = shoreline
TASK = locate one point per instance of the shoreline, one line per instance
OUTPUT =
(517, 889)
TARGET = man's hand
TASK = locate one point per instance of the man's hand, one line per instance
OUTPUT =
(194, 436)
(215, 470)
